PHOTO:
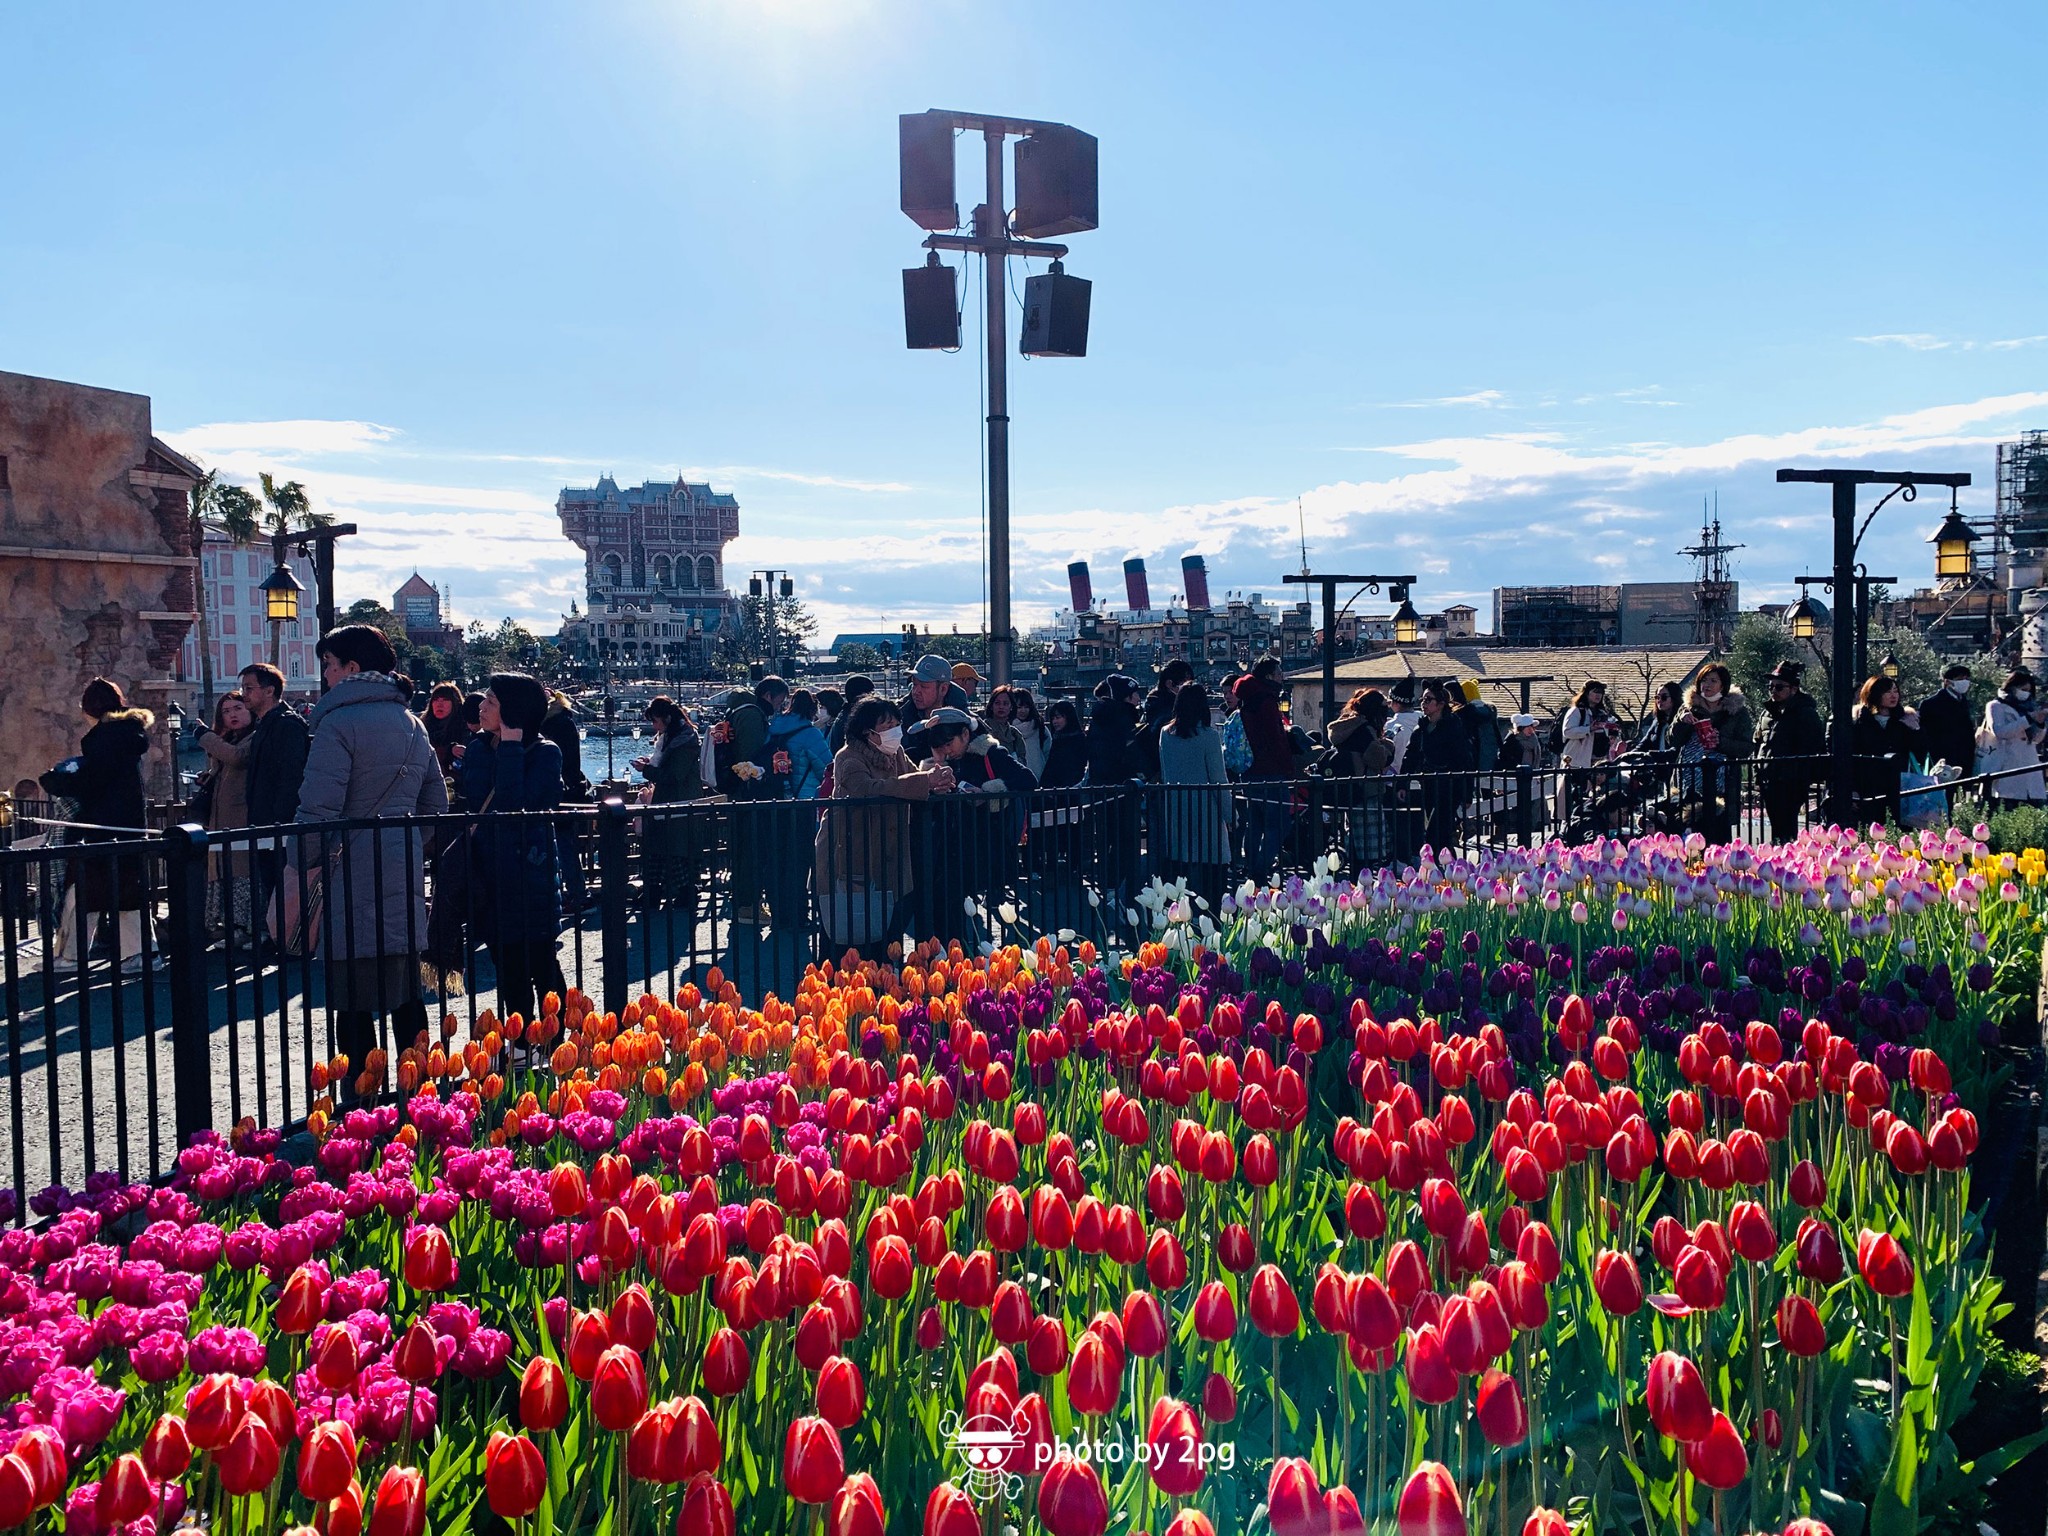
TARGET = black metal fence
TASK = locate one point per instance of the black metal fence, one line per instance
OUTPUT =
(155, 986)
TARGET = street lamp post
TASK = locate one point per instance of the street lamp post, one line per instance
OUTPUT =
(1329, 584)
(281, 589)
(1843, 484)
(768, 586)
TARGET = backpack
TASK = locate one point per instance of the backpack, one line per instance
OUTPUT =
(1555, 740)
(1237, 750)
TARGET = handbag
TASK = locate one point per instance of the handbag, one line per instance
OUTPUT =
(297, 910)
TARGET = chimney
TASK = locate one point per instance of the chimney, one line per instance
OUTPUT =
(1078, 588)
(1194, 577)
(1134, 585)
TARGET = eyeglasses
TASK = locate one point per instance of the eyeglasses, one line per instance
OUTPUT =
(1779, 682)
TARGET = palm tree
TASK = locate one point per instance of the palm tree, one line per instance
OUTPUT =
(291, 511)
(218, 506)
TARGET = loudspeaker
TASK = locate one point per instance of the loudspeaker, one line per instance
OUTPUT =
(1055, 315)
(1056, 192)
(924, 154)
(931, 307)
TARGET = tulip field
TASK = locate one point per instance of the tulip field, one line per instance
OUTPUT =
(1599, 1189)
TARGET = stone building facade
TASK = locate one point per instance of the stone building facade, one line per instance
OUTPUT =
(654, 571)
(97, 565)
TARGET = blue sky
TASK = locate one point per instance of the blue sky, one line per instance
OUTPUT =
(1499, 292)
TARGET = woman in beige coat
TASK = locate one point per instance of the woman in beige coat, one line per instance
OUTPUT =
(226, 746)
(862, 854)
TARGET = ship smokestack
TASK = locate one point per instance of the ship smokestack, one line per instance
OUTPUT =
(1194, 575)
(1079, 588)
(1134, 586)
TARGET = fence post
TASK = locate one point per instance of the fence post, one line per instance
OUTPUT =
(613, 939)
(185, 948)
(1525, 806)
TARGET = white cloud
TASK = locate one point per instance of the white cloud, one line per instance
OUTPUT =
(1915, 341)
(2014, 343)
(1464, 511)
(1484, 399)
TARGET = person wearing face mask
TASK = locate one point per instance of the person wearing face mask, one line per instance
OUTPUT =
(1883, 733)
(1947, 734)
(1722, 733)
(861, 857)
(974, 833)
(1794, 743)
(2011, 738)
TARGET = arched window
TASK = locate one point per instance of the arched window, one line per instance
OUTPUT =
(707, 572)
(614, 570)
(663, 575)
(686, 573)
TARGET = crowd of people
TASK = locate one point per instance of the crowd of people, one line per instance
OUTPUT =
(938, 786)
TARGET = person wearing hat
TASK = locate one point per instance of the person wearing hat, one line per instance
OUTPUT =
(931, 687)
(2011, 738)
(1793, 751)
(1947, 733)
(1481, 721)
(968, 681)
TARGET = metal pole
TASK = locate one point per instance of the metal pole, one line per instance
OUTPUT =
(277, 549)
(1841, 769)
(1329, 653)
(995, 267)
(1862, 629)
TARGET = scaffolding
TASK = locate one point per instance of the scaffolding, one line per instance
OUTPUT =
(1558, 616)
(2020, 524)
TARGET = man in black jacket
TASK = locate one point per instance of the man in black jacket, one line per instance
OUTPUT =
(1947, 731)
(277, 762)
(1793, 744)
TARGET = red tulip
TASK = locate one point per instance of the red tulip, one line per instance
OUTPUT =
(1431, 1378)
(1700, 1282)
(707, 1508)
(1806, 1525)
(1719, 1460)
(1429, 1503)
(1752, 1233)
(857, 1509)
(543, 1395)
(429, 1259)
(17, 1492)
(590, 1335)
(1274, 1310)
(343, 1515)
(1190, 1522)
(1883, 1263)
(1546, 1522)
(42, 1452)
(271, 1403)
(1800, 1329)
(1537, 1248)
(213, 1407)
(1294, 1499)
(632, 1318)
(649, 1457)
(842, 1397)
(302, 1304)
(1219, 1398)
(249, 1460)
(1234, 1247)
(167, 1449)
(1617, 1283)
(813, 1465)
(728, 1363)
(1819, 1251)
(327, 1461)
(1677, 1398)
(417, 1358)
(515, 1476)
(1502, 1418)
(949, 1512)
(567, 1192)
(1071, 1500)
(1175, 1438)
(1407, 1273)
(1215, 1313)
(618, 1390)
(1771, 1429)
(124, 1491)
(334, 1359)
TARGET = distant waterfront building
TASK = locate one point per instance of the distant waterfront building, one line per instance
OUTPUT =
(231, 578)
(418, 605)
(654, 572)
